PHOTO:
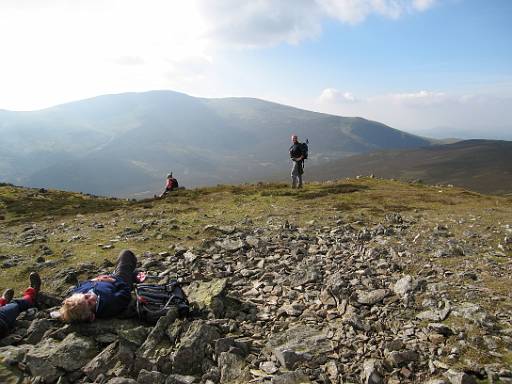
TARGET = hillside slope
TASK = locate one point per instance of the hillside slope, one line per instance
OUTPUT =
(480, 165)
(125, 144)
(338, 282)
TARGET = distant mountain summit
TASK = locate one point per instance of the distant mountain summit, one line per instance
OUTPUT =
(125, 144)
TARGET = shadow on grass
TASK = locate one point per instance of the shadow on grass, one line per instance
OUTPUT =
(311, 193)
(251, 189)
(326, 190)
(400, 207)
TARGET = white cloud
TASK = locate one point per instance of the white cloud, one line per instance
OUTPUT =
(423, 98)
(422, 5)
(270, 22)
(334, 96)
(420, 111)
(419, 99)
(259, 23)
(356, 11)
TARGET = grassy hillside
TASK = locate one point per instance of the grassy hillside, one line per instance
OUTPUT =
(480, 165)
(77, 225)
(18, 204)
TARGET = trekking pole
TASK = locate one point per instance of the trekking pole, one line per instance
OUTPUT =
(307, 142)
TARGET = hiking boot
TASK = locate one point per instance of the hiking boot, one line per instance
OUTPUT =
(35, 281)
(8, 295)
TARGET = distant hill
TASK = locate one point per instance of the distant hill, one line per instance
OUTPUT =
(125, 144)
(488, 132)
(480, 165)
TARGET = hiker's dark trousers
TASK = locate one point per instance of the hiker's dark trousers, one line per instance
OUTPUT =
(125, 267)
(9, 313)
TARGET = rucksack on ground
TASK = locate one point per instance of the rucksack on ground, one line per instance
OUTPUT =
(155, 300)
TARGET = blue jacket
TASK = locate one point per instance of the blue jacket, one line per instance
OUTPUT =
(113, 298)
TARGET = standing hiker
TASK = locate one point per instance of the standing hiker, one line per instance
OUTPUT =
(103, 296)
(10, 309)
(298, 152)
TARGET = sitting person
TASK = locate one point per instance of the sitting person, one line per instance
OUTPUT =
(10, 309)
(170, 185)
(104, 296)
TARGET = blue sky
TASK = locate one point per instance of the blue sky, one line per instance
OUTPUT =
(439, 67)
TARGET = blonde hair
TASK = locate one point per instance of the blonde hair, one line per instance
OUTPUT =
(75, 309)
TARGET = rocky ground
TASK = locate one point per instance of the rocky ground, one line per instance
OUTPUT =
(399, 296)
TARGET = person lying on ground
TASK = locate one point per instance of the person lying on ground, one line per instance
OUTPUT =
(10, 308)
(104, 296)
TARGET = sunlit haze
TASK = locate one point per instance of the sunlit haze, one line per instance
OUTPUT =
(423, 66)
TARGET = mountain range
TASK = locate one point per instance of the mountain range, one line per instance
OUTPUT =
(480, 165)
(125, 144)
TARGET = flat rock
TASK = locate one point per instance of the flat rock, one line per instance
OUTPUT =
(400, 358)
(370, 373)
(458, 377)
(226, 229)
(268, 367)
(474, 313)
(296, 377)
(231, 245)
(232, 368)
(38, 362)
(189, 355)
(208, 295)
(403, 286)
(151, 377)
(189, 257)
(37, 329)
(136, 335)
(102, 362)
(122, 380)
(371, 297)
(298, 344)
(309, 275)
(441, 329)
(435, 314)
(180, 379)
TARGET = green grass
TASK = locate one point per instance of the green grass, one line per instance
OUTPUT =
(22, 205)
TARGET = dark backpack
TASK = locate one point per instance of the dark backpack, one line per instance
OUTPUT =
(175, 184)
(155, 300)
(304, 148)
